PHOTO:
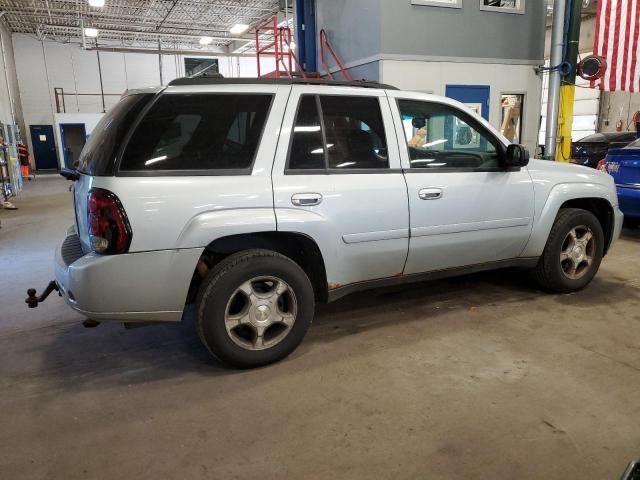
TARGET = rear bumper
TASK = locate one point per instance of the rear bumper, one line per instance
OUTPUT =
(629, 200)
(144, 286)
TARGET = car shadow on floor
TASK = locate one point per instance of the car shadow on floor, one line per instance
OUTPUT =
(110, 355)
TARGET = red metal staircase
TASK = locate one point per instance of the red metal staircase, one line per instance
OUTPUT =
(275, 41)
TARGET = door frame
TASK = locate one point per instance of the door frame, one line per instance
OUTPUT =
(63, 141)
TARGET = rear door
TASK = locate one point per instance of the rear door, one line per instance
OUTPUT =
(337, 179)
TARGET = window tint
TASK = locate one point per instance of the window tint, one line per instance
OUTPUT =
(307, 151)
(442, 137)
(355, 132)
(99, 154)
(198, 132)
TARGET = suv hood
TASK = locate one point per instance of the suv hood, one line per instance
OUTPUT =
(560, 172)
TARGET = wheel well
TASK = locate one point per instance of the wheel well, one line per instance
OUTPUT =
(603, 211)
(298, 247)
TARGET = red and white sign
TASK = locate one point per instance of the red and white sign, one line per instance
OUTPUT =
(616, 39)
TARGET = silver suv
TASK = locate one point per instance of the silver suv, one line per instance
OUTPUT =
(255, 199)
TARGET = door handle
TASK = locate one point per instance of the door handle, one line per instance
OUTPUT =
(306, 199)
(430, 193)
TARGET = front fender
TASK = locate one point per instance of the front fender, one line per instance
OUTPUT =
(559, 194)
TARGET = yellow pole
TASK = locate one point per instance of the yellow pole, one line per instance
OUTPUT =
(565, 122)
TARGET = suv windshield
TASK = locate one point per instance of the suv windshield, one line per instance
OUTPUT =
(99, 153)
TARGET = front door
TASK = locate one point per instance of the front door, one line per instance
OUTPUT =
(476, 97)
(337, 179)
(44, 147)
(464, 208)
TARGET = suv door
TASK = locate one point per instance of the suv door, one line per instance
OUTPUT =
(337, 179)
(464, 208)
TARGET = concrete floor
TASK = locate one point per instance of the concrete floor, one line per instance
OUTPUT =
(480, 377)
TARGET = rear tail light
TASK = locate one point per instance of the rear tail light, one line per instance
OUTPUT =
(602, 166)
(109, 228)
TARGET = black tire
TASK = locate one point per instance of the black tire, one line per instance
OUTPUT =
(219, 286)
(549, 273)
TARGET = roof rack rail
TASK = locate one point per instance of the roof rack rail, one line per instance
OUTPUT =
(278, 81)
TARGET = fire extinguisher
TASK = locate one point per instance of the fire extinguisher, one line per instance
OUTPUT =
(619, 126)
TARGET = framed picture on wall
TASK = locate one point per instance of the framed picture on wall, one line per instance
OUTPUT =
(503, 6)
(438, 3)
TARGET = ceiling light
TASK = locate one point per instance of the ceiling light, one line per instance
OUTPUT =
(91, 32)
(96, 3)
(239, 28)
(206, 40)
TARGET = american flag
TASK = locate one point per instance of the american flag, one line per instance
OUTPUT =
(616, 39)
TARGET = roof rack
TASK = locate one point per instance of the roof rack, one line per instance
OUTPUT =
(277, 81)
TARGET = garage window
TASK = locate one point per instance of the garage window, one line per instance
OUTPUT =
(334, 134)
(199, 132)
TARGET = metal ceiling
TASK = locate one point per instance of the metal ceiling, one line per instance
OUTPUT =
(177, 24)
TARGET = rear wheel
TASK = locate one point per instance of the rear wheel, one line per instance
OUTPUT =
(254, 308)
(573, 252)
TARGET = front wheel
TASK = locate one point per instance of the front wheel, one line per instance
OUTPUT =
(254, 308)
(573, 252)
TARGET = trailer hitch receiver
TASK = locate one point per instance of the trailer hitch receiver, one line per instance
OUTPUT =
(33, 301)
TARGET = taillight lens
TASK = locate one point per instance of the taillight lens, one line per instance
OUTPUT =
(602, 166)
(109, 228)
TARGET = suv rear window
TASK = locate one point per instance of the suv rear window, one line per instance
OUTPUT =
(198, 132)
(99, 154)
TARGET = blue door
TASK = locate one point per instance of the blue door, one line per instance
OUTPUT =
(44, 147)
(475, 97)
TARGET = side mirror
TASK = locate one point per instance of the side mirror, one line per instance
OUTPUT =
(516, 156)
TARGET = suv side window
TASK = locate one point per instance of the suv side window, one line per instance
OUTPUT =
(338, 133)
(440, 137)
(195, 132)
(307, 144)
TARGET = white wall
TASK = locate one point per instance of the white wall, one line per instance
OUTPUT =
(43, 66)
(435, 76)
(9, 93)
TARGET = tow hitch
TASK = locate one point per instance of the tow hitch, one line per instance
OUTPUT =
(33, 301)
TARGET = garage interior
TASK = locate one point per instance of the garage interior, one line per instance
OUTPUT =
(479, 376)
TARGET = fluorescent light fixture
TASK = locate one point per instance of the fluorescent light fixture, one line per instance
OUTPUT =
(312, 128)
(239, 28)
(345, 164)
(96, 3)
(91, 32)
(206, 40)
(155, 160)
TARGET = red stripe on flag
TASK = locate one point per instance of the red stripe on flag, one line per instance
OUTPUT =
(634, 50)
(605, 39)
(616, 45)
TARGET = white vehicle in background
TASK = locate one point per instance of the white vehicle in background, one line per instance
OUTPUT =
(255, 199)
